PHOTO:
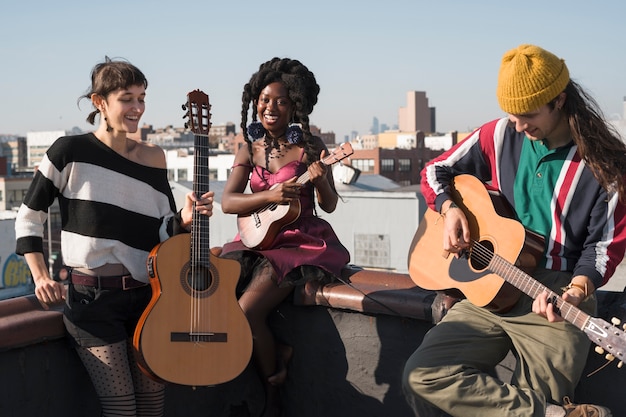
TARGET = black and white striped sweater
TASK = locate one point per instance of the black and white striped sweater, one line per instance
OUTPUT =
(112, 210)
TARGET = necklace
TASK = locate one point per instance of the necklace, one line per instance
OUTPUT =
(274, 149)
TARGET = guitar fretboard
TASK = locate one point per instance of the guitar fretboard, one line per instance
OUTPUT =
(200, 247)
(533, 288)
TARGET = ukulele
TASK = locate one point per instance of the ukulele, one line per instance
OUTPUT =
(193, 331)
(490, 273)
(257, 230)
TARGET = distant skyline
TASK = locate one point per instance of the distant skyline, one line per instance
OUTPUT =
(366, 56)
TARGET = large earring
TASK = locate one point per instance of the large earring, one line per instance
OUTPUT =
(256, 130)
(294, 133)
(109, 128)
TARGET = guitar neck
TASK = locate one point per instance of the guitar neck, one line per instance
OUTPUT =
(329, 160)
(531, 287)
(200, 247)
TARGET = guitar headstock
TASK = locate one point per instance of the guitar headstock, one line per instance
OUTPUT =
(197, 111)
(342, 151)
(608, 338)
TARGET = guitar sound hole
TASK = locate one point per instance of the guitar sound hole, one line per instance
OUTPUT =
(481, 255)
(199, 278)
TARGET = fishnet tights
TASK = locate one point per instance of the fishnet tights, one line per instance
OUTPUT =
(121, 386)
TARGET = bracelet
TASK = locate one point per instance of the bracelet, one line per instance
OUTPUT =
(443, 215)
(581, 287)
(451, 206)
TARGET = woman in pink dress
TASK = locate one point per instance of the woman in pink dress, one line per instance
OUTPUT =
(279, 148)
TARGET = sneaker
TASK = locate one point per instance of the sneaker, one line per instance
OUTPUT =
(585, 410)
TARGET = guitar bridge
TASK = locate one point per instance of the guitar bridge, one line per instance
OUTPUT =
(198, 337)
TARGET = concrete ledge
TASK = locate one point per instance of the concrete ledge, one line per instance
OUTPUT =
(24, 322)
(370, 292)
(349, 352)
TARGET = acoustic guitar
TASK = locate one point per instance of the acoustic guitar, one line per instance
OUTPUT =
(257, 230)
(193, 331)
(491, 273)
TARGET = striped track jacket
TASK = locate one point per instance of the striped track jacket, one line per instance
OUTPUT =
(588, 231)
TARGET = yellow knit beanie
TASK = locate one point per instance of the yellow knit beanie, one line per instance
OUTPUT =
(529, 78)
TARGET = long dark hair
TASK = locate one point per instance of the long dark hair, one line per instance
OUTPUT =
(301, 88)
(598, 143)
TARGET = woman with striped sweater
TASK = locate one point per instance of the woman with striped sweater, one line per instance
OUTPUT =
(116, 205)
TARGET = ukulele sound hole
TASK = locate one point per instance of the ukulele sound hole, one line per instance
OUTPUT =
(481, 254)
(199, 279)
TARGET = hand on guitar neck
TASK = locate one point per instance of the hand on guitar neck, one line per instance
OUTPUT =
(574, 294)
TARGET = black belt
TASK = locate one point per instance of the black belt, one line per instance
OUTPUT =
(125, 282)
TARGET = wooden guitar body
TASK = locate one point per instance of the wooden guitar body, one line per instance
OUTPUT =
(432, 269)
(259, 229)
(193, 332)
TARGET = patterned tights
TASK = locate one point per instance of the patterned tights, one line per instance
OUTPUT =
(121, 386)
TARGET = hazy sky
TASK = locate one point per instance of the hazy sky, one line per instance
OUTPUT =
(365, 54)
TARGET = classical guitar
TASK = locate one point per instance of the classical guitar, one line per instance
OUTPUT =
(491, 273)
(193, 331)
(258, 229)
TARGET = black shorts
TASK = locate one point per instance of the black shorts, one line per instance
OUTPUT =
(99, 317)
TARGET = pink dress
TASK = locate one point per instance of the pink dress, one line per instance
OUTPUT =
(301, 249)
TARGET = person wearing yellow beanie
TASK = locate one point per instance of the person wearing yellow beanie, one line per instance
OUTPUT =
(561, 168)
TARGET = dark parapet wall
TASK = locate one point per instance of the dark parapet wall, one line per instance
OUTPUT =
(349, 353)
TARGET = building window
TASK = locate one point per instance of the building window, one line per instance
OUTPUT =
(387, 165)
(365, 165)
(372, 250)
(404, 164)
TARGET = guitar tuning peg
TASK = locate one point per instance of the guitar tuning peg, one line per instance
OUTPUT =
(184, 106)
(620, 364)
(186, 125)
(599, 350)
(609, 357)
(616, 321)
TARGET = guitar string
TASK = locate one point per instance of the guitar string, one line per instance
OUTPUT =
(564, 308)
(485, 256)
(204, 276)
(199, 273)
(305, 176)
(195, 237)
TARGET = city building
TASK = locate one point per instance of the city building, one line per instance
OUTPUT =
(13, 148)
(37, 143)
(416, 115)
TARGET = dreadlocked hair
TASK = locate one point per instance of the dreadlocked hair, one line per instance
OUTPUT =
(302, 90)
(598, 143)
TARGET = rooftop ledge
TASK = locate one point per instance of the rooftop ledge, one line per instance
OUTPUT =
(23, 321)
